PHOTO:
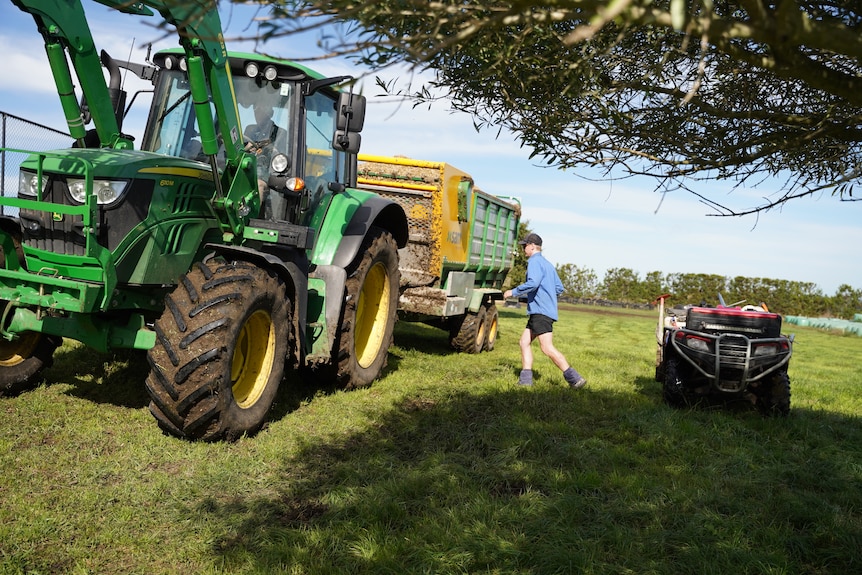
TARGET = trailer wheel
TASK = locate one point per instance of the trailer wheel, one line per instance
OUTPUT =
(220, 352)
(773, 396)
(673, 389)
(468, 335)
(23, 359)
(370, 308)
(492, 323)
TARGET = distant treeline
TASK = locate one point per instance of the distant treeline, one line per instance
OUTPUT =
(782, 296)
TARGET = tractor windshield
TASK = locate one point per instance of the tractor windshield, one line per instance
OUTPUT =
(264, 111)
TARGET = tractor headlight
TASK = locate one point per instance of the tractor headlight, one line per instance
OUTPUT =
(295, 185)
(29, 185)
(106, 191)
(279, 164)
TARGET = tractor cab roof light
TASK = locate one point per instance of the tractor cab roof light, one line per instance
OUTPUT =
(173, 62)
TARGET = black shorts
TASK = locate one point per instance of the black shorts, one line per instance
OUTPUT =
(539, 324)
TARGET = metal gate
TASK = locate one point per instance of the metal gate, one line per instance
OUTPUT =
(19, 134)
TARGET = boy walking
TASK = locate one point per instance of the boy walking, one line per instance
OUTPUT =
(542, 287)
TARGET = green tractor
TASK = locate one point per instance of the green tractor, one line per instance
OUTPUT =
(235, 257)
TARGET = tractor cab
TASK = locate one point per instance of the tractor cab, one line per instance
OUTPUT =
(295, 160)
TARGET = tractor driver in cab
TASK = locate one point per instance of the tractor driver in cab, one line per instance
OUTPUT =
(260, 139)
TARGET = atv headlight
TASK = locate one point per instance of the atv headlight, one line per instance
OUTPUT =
(106, 191)
(765, 349)
(28, 183)
(697, 343)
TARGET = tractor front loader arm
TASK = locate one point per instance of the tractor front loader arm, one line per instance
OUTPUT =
(63, 26)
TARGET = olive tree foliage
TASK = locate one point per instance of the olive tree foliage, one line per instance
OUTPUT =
(680, 90)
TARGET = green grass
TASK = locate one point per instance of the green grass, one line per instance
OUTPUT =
(444, 466)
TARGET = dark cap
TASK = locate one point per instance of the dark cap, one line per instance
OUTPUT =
(531, 239)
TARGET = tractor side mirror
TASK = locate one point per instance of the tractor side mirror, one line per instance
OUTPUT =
(346, 141)
(351, 112)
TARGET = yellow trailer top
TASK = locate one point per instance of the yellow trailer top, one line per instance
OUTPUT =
(454, 226)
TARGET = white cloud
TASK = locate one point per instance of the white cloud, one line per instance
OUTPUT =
(25, 69)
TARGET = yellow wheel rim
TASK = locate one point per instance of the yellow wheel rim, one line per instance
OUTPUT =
(480, 335)
(15, 351)
(492, 331)
(372, 311)
(253, 358)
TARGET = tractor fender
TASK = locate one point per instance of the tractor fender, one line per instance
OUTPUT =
(294, 273)
(349, 218)
(334, 278)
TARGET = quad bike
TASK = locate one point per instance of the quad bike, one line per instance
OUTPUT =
(725, 353)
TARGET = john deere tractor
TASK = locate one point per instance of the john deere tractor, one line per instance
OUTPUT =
(236, 257)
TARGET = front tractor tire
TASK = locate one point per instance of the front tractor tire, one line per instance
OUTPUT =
(220, 352)
(23, 359)
(369, 314)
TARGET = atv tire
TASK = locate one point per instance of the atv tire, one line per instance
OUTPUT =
(220, 352)
(492, 326)
(468, 335)
(23, 359)
(369, 314)
(773, 395)
(673, 386)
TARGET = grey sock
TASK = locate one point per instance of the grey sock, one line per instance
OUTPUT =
(571, 375)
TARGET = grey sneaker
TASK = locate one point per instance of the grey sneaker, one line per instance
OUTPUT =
(525, 379)
(578, 384)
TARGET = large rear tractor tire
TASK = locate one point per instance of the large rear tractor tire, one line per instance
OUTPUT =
(468, 335)
(23, 359)
(370, 308)
(773, 396)
(220, 352)
(492, 326)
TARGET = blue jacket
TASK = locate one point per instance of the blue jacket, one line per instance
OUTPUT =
(542, 287)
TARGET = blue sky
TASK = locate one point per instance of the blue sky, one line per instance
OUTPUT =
(583, 219)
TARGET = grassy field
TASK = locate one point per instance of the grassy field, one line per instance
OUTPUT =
(444, 466)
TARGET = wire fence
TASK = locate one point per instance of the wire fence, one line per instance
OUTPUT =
(17, 133)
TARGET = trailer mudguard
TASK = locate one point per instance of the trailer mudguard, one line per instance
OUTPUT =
(479, 296)
(348, 218)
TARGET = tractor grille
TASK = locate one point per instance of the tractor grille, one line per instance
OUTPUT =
(57, 233)
(64, 234)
